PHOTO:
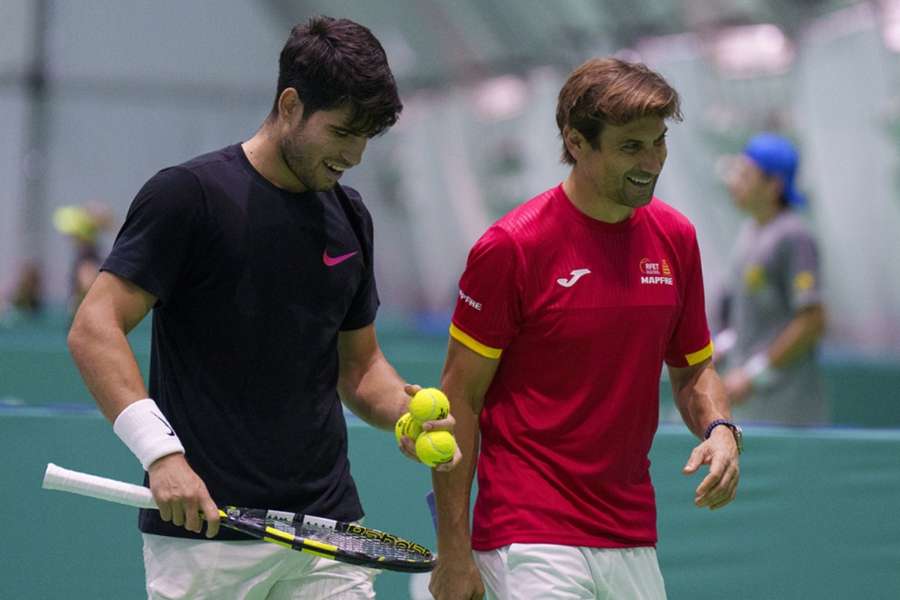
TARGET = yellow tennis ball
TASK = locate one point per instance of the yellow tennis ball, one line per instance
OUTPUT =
(429, 404)
(435, 447)
(75, 221)
(407, 426)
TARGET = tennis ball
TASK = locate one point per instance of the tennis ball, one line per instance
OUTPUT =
(407, 426)
(429, 404)
(75, 221)
(435, 447)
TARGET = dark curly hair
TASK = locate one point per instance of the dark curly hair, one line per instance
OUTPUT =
(331, 62)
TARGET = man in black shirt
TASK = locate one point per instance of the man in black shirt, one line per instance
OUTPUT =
(257, 264)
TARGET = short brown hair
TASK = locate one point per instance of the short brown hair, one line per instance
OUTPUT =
(609, 90)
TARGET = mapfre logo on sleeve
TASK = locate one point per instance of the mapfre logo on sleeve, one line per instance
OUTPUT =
(469, 300)
(655, 272)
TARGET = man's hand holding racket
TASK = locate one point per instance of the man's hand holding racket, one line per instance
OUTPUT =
(182, 496)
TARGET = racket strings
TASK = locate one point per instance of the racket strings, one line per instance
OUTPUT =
(355, 538)
(363, 545)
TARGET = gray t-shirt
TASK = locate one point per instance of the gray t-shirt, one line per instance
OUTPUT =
(775, 274)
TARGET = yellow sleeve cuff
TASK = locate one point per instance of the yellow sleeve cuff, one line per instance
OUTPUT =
(699, 356)
(472, 344)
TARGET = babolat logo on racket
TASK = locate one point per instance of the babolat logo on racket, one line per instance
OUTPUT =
(407, 545)
(371, 534)
(387, 538)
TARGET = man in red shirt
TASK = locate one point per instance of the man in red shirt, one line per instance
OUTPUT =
(567, 309)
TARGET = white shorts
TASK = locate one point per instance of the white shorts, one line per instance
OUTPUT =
(548, 571)
(184, 568)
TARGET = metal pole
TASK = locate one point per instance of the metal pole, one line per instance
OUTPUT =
(34, 212)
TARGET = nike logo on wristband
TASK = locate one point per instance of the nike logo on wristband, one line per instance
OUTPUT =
(166, 423)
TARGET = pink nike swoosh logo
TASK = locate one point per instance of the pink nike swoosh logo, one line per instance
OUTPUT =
(331, 261)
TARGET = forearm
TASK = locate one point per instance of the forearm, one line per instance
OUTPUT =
(700, 397)
(453, 488)
(374, 392)
(107, 364)
(795, 340)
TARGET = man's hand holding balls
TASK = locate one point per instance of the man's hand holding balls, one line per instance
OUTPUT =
(425, 433)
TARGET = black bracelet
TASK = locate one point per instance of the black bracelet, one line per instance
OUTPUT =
(716, 423)
(735, 430)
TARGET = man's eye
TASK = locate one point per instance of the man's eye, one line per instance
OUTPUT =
(341, 133)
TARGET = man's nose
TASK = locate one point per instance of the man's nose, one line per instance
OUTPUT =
(652, 161)
(353, 153)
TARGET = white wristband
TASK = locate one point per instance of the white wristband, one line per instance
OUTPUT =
(759, 370)
(724, 341)
(146, 432)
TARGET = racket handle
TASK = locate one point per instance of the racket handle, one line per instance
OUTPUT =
(119, 492)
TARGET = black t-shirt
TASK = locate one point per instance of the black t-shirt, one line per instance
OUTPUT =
(254, 283)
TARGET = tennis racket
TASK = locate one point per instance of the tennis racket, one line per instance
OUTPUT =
(336, 540)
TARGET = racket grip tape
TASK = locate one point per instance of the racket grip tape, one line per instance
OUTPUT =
(119, 492)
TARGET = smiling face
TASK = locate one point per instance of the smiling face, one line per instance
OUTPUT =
(751, 189)
(622, 170)
(317, 150)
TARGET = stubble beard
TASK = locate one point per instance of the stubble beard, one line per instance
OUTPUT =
(292, 155)
(636, 200)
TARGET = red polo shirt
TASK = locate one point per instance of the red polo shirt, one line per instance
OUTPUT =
(582, 314)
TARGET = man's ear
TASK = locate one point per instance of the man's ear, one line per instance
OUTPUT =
(290, 108)
(575, 142)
